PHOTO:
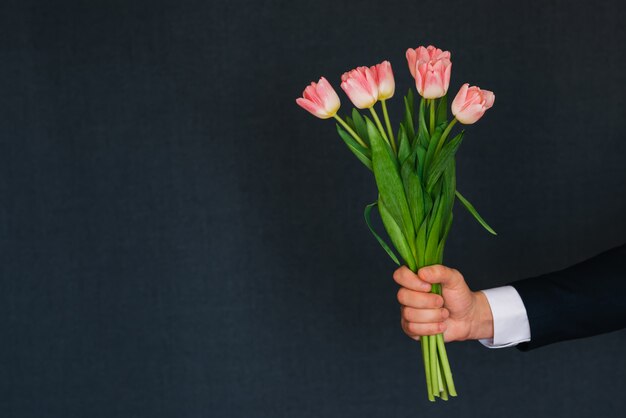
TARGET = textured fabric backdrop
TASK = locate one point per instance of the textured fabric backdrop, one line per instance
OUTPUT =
(179, 239)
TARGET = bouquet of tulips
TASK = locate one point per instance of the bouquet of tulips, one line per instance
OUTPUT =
(414, 169)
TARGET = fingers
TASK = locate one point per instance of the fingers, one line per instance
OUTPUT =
(415, 330)
(406, 278)
(420, 300)
(450, 278)
(424, 316)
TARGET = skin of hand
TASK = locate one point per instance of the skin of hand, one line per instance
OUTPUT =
(460, 314)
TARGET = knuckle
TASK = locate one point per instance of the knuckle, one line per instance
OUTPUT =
(413, 327)
(438, 270)
(401, 295)
(457, 274)
(405, 314)
(438, 301)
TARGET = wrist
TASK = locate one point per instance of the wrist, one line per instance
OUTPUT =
(481, 326)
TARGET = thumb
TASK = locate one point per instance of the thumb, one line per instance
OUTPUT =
(437, 273)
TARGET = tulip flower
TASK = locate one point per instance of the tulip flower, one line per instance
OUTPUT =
(320, 99)
(431, 68)
(386, 88)
(361, 86)
(384, 80)
(471, 103)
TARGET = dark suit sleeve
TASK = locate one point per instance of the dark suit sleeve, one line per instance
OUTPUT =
(580, 301)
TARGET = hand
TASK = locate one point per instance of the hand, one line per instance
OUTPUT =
(460, 314)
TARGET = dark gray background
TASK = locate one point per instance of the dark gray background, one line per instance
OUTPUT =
(179, 239)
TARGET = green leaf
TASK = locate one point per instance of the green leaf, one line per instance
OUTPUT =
(391, 152)
(423, 136)
(435, 209)
(386, 172)
(413, 190)
(363, 154)
(428, 203)
(359, 126)
(408, 114)
(420, 243)
(421, 160)
(404, 148)
(441, 161)
(432, 145)
(442, 110)
(396, 235)
(442, 243)
(434, 233)
(448, 187)
(366, 214)
(474, 213)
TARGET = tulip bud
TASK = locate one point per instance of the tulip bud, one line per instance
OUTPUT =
(320, 99)
(361, 87)
(431, 67)
(384, 80)
(471, 103)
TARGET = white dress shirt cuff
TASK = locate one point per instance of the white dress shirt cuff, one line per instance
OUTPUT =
(510, 321)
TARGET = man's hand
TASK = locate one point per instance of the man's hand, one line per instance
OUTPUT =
(460, 314)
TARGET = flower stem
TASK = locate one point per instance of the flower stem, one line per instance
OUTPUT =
(350, 130)
(444, 136)
(426, 356)
(388, 123)
(434, 366)
(445, 365)
(380, 125)
(432, 116)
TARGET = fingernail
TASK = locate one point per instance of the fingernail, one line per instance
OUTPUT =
(445, 313)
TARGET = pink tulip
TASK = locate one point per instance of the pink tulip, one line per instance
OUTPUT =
(384, 79)
(361, 86)
(431, 68)
(471, 103)
(320, 99)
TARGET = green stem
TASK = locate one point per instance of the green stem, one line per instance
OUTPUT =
(426, 356)
(434, 366)
(445, 365)
(444, 135)
(350, 130)
(380, 125)
(432, 116)
(388, 124)
(444, 393)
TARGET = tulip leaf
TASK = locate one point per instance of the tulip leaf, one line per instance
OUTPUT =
(421, 160)
(413, 190)
(408, 114)
(387, 174)
(441, 162)
(366, 214)
(449, 185)
(359, 125)
(434, 233)
(442, 110)
(423, 136)
(420, 243)
(432, 145)
(442, 243)
(397, 236)
(470, 208)
(404, 148)
(435, 208)
(363, 154)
